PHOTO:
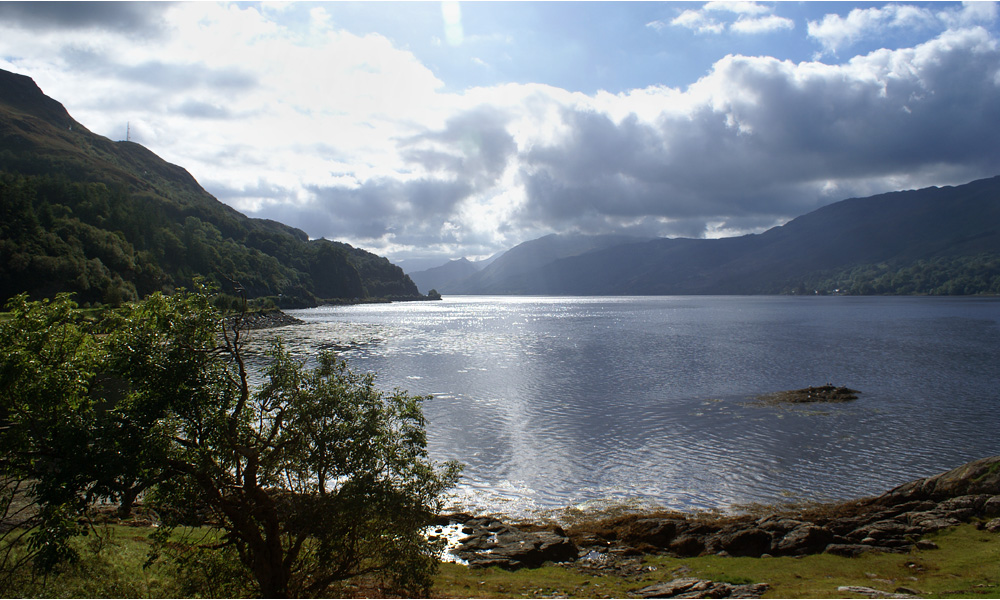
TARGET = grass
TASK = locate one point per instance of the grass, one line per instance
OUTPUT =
(966, 565)
(110, 566)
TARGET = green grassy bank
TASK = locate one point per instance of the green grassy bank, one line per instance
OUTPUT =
(965, 565)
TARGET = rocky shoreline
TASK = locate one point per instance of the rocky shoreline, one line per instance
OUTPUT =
(895, 521)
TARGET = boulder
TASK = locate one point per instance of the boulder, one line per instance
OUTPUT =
(970, 502)
(655, 532)
(742, 542)
(493, 543)
(692, 587)
(849, 550)
(991, 508)
(881, 530)
(872, 592)
(931, 521)
(804, 539)
(779, 525)
(687, 545)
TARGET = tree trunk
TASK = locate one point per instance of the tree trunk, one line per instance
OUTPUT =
(269, 570)
(127, 501)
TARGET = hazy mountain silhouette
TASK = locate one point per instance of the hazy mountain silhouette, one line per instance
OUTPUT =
(944, 235)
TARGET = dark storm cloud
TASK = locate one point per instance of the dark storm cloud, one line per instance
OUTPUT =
(181, 76)
(671, 178)
(939, 106)
(173, 77)
(202, 110)
(412, 210)
(473, 145)
(141, 19)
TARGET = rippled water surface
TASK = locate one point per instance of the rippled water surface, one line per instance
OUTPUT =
(555, 402)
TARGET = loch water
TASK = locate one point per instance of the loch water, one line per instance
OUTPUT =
(651, 401)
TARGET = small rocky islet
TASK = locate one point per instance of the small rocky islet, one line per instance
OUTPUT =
(820, 393)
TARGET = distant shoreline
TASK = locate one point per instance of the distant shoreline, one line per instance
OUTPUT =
(268, 319)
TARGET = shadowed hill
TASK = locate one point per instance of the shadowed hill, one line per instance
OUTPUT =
(519, 270)
(444, 278)
(931, 241)
(112, 221)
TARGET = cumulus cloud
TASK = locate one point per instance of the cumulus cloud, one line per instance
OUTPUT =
(740, 8)
(835, 32)
(762, 139)
(698, 21)
(738, 17)
(971, 13)
(762, 25)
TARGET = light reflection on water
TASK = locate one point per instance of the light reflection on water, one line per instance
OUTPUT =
(552, 402)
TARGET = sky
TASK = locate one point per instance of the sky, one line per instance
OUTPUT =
(429, 131)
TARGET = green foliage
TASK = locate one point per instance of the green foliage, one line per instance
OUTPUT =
(110, 565)
(942, 276)
(314, 479)
(110, 246)
(112, 222)
(210, 571)
(48, 362)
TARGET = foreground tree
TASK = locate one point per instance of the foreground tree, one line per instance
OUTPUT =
(314, 479)
(47, 360)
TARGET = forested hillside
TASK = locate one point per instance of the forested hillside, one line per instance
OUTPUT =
(112, 222)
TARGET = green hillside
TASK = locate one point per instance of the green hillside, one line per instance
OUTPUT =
(111, 221)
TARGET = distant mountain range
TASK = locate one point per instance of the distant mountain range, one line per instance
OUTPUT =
(448, 275)
(930, 241)
(111, 221)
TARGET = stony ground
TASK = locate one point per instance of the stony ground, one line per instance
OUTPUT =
(892, 522)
